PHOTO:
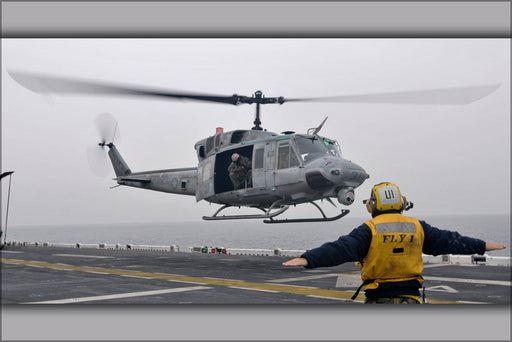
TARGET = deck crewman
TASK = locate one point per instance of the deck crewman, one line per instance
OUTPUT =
(389, 248)
(240, 171)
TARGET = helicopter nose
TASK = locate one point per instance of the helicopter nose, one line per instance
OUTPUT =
(353, 174)
(332, 173)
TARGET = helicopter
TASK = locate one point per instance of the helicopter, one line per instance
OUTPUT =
(281, 170)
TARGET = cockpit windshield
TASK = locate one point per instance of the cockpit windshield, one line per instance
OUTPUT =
(311, 148)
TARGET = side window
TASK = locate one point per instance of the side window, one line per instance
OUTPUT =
(258, 158)
(283, 158)
(201, 152)
(287, 157)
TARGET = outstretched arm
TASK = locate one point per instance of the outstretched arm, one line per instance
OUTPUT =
(492, 246)
(439, 241)
(351, 247)
(296, 262)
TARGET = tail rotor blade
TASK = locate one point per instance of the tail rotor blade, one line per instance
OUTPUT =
(107, 127)
(98, 161)
(108, 131)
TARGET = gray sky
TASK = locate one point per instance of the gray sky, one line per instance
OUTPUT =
(446, 159)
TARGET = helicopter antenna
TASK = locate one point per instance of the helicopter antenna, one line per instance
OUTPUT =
(317, 129)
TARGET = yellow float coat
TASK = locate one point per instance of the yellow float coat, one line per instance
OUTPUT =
(395, 252)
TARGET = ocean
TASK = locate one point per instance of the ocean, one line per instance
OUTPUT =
(245, 233)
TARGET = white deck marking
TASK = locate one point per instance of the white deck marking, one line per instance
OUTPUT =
(121, 295)
(442, 288)
(131, 276)
(301, 286)
(186, 282)
(102, 273)
(84, 256)
(437, 265)
(469, 302)
(248, 288)
(473, 281)
(349, 280)
(341, 299)
(320, 276)
(12, 252)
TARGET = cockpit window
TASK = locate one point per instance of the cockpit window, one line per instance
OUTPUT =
(316, 147)
(332, 146)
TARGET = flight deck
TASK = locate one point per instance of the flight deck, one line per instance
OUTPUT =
(71, 275)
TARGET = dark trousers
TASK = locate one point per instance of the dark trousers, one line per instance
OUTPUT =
(392, 300)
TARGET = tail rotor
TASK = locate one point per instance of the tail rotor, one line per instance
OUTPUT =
(107, 127)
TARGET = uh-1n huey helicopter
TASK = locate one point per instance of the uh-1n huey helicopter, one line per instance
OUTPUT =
(282, 170)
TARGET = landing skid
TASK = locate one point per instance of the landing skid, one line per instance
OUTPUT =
(319, 219)
(266, 214)
(269, 217)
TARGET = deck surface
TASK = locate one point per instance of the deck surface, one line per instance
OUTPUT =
(48, 275)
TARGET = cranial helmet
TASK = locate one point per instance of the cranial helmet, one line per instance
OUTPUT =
(387, 196)
(235, 156)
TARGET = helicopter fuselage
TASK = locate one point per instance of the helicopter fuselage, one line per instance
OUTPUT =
(294, 168)
(287, 168)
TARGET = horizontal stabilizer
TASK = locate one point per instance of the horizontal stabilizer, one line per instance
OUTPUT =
(133, 179)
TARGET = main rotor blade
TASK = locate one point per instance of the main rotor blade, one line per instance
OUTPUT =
(5, 174)
(49, 84)
(44, 84)
(459, 95)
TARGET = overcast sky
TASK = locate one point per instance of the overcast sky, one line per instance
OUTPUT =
(446, 159)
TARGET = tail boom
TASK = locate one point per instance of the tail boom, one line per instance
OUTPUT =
(178, 181)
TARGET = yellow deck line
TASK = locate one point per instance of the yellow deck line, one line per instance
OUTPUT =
(324, 293)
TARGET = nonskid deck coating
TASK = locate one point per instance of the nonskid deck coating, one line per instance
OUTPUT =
(46, 275)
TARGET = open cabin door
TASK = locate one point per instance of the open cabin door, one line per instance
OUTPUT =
(222, 182)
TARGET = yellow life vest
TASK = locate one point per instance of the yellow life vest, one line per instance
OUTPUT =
(395, 252)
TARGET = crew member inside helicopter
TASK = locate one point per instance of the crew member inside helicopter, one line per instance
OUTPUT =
(240, 171)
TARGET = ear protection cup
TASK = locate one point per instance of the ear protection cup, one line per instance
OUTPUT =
(370, 206)
(404, 204)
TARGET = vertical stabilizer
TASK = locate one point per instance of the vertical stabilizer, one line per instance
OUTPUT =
(120, 166)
